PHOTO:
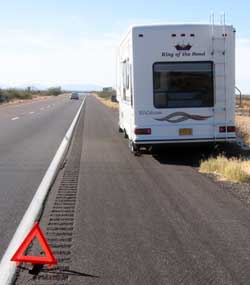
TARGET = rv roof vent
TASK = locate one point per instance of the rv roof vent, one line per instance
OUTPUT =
(173, 35)
(140, 35)
(191, 35)
(183, 35)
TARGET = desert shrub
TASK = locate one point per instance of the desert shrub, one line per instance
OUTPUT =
(232, 169)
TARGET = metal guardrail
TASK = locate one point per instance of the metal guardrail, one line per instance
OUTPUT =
(236, 88)
(239, 105)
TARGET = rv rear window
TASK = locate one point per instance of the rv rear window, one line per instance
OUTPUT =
(183, 84)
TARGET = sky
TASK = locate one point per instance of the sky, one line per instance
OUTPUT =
(60, 42)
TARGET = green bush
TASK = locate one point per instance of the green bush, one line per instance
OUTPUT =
(12, 93)
(54, 91)
(2, 96)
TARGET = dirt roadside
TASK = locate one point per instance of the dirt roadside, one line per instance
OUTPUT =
(107, 101)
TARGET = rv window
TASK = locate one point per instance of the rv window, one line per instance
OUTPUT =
(126, 80)
(131, 89)
(183, 84)
(127, 75)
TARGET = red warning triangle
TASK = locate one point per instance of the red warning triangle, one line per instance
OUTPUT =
(49, 258)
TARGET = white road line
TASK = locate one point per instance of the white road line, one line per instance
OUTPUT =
(31, 113)
(48, 106)
(7, 267)
(16, 118)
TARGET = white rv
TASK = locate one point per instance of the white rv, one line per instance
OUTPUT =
(175, 84)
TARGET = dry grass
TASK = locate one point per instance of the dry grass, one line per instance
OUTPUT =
(245, 103)
(107, 102)
(231, 169)
(243, 127)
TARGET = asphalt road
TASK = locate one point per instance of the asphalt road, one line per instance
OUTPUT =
(30, 134)
(152, 219)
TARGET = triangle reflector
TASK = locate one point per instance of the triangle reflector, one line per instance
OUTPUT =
(49, 258)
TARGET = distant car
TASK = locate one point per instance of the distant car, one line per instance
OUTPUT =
(114, 99)
(75, 96)
(2, 99)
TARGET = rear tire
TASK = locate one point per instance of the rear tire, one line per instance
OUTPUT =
(134, 148)
(125, 134)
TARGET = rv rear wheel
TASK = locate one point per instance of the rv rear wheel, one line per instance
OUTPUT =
(125, 134)
(133, 147)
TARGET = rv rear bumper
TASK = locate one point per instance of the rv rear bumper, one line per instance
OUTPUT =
(203, 140)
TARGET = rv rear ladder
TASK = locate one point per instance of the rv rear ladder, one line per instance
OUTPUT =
(219, 56)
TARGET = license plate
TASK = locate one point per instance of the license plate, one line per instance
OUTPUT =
(185, 132)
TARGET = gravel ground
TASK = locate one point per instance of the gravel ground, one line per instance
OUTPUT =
(239, 190)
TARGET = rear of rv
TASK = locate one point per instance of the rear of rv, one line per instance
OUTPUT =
(183, 84)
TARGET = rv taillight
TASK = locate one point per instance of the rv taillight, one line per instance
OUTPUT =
(144, 131)
(222, 129)
(231, 129)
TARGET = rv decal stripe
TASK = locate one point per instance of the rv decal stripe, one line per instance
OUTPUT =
(178, 117)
